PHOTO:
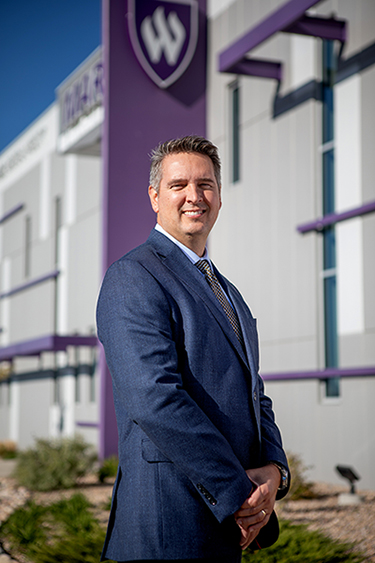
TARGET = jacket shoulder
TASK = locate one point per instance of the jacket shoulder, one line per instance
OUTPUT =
(155, 247)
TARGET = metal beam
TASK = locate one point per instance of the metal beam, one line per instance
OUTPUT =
(257, 67)
(36, 281)
(289, 18)
(11, 212)
(321, 374)
(325, 28)
(281, 18)
(49, 343)
(332, 218)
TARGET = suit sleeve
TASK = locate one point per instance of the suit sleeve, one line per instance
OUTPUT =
(136, 328)
(272, 449)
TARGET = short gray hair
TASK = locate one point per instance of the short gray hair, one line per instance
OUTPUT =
(190, 144)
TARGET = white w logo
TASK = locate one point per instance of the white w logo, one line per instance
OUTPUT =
(167, 39)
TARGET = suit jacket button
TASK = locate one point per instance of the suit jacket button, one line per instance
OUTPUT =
(255, 395)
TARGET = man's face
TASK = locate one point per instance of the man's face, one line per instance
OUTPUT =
(188, 201)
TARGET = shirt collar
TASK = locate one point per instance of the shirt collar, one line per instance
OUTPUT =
(193, 257)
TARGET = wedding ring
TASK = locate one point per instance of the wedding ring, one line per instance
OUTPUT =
(264, 513)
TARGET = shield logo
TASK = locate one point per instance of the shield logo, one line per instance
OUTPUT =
(164, 35)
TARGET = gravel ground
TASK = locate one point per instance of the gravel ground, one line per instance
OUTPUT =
(345, 523)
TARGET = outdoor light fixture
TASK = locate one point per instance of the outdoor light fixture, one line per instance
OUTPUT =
(349, 474)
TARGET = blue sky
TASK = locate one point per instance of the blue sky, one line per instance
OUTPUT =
(41, 43)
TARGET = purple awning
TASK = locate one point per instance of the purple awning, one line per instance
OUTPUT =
(49, 343)
(289, 18)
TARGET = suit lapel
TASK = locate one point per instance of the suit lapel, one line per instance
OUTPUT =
(248, 327)
(176, 261)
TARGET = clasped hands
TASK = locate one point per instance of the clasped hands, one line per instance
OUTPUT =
(257, 508)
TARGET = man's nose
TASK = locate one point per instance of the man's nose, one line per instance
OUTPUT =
(194, 193)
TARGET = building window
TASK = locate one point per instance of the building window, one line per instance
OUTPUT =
(57, 236)
(9, 393)
(27, 264)
(92, 387)
(77, 379)
(56, 388)
(332, 387)
(235, 131)
(92, 376)
(58, 225)
(77, 386)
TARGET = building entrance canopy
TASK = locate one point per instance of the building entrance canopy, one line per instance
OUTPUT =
(289, 18)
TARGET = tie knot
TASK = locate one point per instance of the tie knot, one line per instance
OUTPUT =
(203, 266)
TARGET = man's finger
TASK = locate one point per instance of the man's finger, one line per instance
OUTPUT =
(249, 529)
(250, 537)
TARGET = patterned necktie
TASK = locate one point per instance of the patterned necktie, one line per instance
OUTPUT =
(213, 282)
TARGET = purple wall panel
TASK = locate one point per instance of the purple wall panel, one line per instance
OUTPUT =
(138, 115)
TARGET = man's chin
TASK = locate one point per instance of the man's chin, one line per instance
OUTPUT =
(195, 225)
(196, 232)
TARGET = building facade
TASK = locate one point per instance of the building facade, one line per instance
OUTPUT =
(50, 226)
(295, 124)
(289, 103)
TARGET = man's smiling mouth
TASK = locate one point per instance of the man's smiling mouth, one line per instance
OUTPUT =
(194, 213)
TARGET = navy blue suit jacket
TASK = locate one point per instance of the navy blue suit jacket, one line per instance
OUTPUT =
(191, 412)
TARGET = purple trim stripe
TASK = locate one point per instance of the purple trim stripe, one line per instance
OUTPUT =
(320, 374)
(332, 218)
(29, 284)
(257, 67)
(325, 28)
(11, 212)
(281, 18)
(49, 343)
(88, 424)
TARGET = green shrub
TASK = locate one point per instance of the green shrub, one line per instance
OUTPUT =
(300, 487)
(54, 464)
(72, 549)
(8, 449)
(73, 514)
(296, 544)
(108, 468)
(65, 532)
(24, 526)
(108, 504)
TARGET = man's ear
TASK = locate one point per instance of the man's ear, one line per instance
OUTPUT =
(153, 195)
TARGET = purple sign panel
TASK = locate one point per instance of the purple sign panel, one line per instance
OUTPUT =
(164, 36)
(154, 61)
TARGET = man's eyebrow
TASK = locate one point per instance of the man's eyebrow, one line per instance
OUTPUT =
(211, 180)
(176, 181)
(182, 180)
(185, 181)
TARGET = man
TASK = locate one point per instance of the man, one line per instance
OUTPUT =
(200, 457)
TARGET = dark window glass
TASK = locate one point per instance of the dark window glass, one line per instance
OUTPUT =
(235, 133)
